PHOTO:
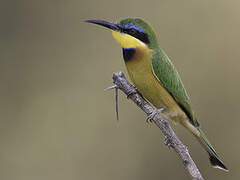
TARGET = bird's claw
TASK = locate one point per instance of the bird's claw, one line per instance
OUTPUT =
(153, 114)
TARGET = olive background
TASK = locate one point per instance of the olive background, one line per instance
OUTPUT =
(57, 122)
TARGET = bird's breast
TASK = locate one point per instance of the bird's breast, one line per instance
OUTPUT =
(139, 66)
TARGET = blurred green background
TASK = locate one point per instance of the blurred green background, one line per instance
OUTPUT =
(57, 123)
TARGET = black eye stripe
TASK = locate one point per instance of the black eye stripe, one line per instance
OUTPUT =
(142, 36)
(132, 31)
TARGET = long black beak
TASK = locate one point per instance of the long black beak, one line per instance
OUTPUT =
(107, 24)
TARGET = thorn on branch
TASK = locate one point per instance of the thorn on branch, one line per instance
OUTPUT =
(110, 88)
(116, 98)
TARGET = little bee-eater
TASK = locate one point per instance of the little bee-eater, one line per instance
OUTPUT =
(154, 75)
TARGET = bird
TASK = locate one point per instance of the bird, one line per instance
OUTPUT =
(155, 77)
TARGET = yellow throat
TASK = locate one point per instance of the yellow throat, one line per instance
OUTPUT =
(127, 41)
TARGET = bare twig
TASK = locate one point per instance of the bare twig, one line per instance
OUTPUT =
(171, 140)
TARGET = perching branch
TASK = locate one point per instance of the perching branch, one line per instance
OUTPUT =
(171, 140)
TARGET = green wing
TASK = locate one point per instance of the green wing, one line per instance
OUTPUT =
(169, 78)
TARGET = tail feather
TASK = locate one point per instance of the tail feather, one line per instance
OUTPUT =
(216, 162)
(213, 157)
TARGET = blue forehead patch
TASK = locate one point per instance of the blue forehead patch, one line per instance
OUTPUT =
(130, 26)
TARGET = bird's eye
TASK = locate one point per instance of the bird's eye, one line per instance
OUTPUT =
(132, 31)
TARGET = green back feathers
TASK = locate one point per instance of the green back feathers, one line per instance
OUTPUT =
(169, 78)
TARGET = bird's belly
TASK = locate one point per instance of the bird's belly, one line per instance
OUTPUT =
(153, 91)
(148, 85)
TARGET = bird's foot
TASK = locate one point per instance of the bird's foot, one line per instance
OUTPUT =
(153, 114)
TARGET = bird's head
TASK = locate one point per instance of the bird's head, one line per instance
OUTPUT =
(130, 32)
